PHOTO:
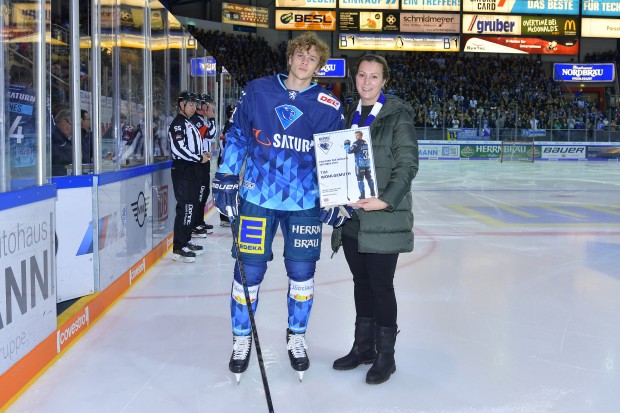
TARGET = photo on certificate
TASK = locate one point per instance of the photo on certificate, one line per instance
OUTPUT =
(345, 166)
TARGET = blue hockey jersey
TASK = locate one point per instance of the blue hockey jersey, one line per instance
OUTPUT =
(360, 149)
(272, 132)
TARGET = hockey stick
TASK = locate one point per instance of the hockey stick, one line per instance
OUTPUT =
(246, 291)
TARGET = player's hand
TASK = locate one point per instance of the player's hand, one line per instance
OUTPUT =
(225, 194)
(347, 142)
(336, 216)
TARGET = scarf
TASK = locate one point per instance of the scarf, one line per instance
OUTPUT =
(373, 113)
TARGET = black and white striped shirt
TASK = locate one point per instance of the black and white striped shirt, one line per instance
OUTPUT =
(185, 140)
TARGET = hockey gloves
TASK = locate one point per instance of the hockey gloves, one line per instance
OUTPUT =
(225, 190)
(336, 216)
(347, 145)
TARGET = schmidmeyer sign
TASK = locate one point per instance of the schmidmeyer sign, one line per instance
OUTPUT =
(601, 72)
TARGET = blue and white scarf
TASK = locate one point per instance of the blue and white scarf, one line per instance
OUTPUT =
(371, 116)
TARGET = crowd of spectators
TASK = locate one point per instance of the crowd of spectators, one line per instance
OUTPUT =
(246, 57)
(449, 90)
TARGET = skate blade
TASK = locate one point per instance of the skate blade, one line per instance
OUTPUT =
(179, 258)
(300, 375)
(238, 377)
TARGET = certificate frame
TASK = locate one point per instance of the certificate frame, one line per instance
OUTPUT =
(344, 174)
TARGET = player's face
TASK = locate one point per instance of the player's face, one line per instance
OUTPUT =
(369, 81)
(303, 64)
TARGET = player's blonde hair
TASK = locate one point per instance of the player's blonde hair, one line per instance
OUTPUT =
(305, 42)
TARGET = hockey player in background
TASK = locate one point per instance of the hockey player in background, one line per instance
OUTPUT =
(362, 163)
(272, 130)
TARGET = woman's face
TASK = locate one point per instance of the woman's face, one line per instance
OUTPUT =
(369, 81)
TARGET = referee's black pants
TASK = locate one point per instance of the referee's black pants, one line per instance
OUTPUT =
(186, 187)
(203, 192)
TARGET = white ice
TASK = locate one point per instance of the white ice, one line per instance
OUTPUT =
(510, 303)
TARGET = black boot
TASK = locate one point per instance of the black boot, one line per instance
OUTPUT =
(363, 351)
(384, 364)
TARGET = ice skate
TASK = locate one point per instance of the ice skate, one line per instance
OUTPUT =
(240, 358)
(183, 254)
(296, 345)
(195, 248)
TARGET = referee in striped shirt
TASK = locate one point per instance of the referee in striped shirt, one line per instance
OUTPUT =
(187, 155)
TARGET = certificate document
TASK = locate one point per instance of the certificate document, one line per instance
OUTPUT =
(345, 166)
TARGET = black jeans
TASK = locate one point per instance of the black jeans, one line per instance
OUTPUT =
(373, 280)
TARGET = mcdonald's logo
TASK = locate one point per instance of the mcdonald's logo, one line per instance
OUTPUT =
(570, 25)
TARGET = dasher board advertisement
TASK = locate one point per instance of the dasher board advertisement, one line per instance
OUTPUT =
(345, 166)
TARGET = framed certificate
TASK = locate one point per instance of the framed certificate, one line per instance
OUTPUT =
(345, 166)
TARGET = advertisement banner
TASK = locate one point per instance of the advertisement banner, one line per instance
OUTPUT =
(334, 68)
(604, 8)
(75, 243)
(27, 280)
(481, 151)
(311, 4)
(431, 5)
(579, 72)
(399, 42)
(491, 24)
(549, 26)
(603, 28)
(369, 5)
(521, 45)
(314, 20)
(202, 66)
(127, 208)
(361, 21)
(164, 205)
(564, 152)
(245, 15)
(441, 152)
(563, 7)
(603, 152)
(430, 23)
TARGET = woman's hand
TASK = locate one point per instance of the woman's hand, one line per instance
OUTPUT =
(369, 204)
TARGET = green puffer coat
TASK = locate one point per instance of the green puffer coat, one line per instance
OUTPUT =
(395, 152)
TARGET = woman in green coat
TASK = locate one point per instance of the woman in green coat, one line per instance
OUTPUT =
(379, 227)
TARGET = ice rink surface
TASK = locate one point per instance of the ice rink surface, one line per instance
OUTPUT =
(509, 303)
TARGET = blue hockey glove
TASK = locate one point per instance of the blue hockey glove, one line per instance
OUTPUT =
(347, 145)
(225, 191)
(336, 216)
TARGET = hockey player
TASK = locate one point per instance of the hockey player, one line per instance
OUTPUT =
(204, 120)
(272, 130)
(362, 163)
(230, 109)
(187, 155)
